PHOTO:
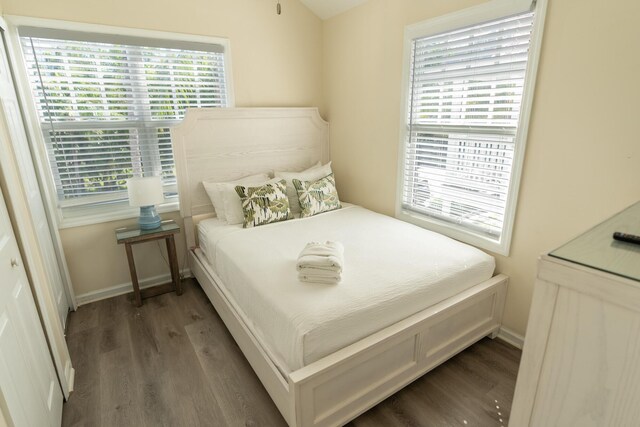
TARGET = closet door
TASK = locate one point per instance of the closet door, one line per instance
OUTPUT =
(20, 145)
(28, 382)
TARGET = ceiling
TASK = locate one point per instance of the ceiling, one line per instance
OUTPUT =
(325, 9)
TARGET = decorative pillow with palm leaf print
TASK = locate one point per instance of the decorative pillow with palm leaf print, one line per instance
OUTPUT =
(317, 196)
(265, 204)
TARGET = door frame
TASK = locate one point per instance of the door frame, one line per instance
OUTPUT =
(12, 46)
(18, 208)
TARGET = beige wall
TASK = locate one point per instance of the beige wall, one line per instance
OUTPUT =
(3, 422)
(96, 262)
(583, 147)
(276, 61)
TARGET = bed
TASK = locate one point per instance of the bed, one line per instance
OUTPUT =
(325, 354)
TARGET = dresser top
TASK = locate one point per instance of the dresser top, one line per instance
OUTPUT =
(597, 249)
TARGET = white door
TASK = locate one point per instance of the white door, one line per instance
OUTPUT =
(28, 382)
(15, 126)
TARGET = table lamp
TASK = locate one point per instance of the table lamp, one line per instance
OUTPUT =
(146, 192)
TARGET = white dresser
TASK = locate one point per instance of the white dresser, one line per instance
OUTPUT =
(581, 358)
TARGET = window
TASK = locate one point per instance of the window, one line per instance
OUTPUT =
(465, 127)
(105, 104)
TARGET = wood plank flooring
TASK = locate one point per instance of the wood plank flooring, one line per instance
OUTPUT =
(172, 362)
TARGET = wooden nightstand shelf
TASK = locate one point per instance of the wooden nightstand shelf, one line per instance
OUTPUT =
(131, 236)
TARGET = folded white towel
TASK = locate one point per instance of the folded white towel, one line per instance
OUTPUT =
(323, 249)
(329, 263)
(319, 279)
(327, 256)
(319, 272)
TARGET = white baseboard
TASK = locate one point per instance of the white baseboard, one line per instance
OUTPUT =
(125, 288)
(507, 335)
(71, 378)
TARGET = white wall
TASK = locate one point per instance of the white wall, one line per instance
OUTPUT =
(583, 148)
(276, 61)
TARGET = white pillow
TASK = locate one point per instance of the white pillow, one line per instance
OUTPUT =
(314, 173)
(216, 191)
(233, 203)
(216, 198)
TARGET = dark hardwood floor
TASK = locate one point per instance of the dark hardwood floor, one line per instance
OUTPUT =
(172, 362)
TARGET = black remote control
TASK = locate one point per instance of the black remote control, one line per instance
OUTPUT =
(624, 237)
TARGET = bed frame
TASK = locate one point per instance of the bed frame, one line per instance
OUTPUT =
(224, 144)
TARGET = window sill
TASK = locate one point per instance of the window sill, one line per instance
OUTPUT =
(455, 232)
(101, 214)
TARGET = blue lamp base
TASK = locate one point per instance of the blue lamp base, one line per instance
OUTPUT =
(149, 218)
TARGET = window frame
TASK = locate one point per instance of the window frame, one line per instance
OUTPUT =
(73, 216)
(491, 10)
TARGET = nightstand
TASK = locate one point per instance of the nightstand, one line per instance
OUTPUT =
(132, 235)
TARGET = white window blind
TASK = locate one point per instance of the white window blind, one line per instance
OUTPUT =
(465, 94)
(105, 103)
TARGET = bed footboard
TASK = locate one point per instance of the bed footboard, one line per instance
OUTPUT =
(343, 385)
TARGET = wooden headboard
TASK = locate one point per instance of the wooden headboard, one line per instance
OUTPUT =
(223, 144)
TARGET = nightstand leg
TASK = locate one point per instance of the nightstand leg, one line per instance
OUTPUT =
(173, 263)
(134, 275)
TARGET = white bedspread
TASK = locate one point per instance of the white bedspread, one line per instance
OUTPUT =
(392, 270)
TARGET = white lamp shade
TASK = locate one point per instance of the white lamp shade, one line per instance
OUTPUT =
(146, 191)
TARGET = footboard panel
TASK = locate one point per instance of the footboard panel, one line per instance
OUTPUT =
(339, 387)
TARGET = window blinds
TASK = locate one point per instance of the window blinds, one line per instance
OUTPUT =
(465, 93)
(105, 103)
